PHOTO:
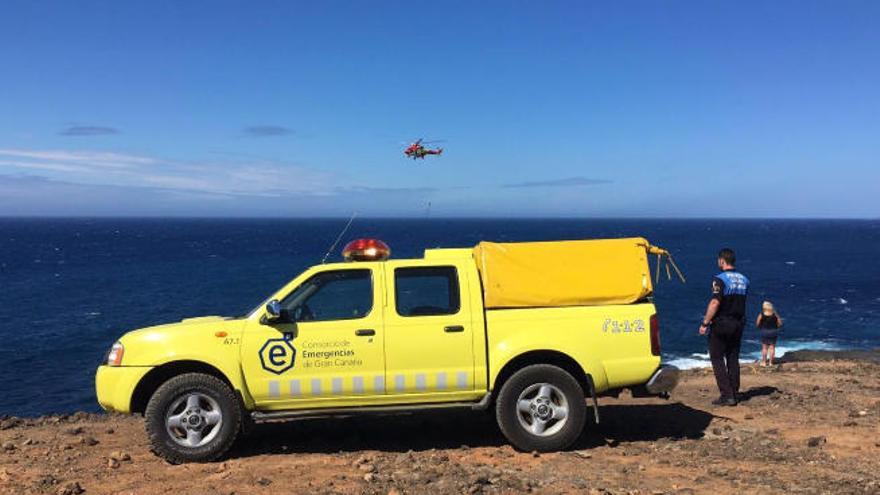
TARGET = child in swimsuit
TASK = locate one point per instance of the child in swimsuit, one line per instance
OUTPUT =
(769, 322)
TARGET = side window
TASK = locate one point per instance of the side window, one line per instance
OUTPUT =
(333, 295)
(426, 291)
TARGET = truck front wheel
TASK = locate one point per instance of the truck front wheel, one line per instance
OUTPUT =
(192, 417)
(541, 407)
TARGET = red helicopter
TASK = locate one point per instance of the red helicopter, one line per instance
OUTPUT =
(418, 150)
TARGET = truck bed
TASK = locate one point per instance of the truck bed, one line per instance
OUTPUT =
(611, 343)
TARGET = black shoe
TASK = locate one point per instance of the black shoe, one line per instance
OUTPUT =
(724, 401)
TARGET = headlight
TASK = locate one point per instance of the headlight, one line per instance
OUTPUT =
(114, 357)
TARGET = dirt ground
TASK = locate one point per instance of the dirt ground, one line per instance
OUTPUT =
(805, 427)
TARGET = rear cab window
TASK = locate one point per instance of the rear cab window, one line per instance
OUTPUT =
(427, 291)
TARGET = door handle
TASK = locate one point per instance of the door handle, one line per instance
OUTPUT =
(453, 329)
(364, 332)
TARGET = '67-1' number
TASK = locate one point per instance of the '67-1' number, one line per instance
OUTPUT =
(618, 326)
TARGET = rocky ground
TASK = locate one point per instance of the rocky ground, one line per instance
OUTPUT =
(805, 427)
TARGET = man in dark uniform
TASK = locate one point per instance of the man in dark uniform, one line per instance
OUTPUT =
(724, 322)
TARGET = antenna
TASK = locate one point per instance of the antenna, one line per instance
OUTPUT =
(339, 238)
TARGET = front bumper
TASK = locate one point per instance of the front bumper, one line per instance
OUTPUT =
(663, 381)
(114, 386)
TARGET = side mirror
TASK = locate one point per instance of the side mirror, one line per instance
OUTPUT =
(276, 314)
(273, 307)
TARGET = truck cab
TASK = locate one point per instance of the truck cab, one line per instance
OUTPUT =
(367, 333)
(374, 334)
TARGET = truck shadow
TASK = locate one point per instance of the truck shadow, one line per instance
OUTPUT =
(453, 429)
(399, 432)
(644, 423)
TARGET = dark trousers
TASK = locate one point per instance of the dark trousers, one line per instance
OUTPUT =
(725, 339)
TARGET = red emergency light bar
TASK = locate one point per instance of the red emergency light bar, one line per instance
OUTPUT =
(366, 250)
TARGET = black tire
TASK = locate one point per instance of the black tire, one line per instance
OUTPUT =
(508, 415)
(169, 394)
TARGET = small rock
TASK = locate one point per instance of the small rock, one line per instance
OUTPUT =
(112, 463)
(46, 481)
(120, 456)
(368, 468)
(72, 488)
(583, 454)
(815, 441)
(393, 491)
(535, 453)
(76, 430)
(4, 475)
(850, 423)
(90, 441)
(479, 479)
(863, 413)
(109, 431)
(9, 423)
(264, 481)
(8, 446)
(369, 477)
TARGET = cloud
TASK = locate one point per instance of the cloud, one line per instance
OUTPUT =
(221, 177)
(267, 131)
(88, 130)
(96, 158)
(567, 182)
(33, 195)
(389, 190)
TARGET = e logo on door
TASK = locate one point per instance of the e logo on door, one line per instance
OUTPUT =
(277, 355)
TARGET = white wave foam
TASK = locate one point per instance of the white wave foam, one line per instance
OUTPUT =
(689, 363)
(842, 300)
(698, 360)
(790, 263)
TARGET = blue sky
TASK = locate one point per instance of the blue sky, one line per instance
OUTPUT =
(671, 109)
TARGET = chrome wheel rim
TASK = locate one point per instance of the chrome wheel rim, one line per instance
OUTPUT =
(542, 409)
(193, 420)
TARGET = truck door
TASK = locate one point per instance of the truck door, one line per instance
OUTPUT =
(331, 350)
(429, 347)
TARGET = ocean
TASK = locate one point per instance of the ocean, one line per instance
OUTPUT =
(70, 287)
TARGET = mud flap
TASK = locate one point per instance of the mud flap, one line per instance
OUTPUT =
(594, 397)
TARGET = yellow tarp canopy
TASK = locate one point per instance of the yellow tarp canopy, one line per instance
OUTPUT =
(565, 273)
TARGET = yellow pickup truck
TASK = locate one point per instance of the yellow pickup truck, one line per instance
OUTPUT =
(532, 330)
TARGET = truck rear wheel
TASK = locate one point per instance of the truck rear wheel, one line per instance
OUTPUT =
(193, 417)
(541, 407)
